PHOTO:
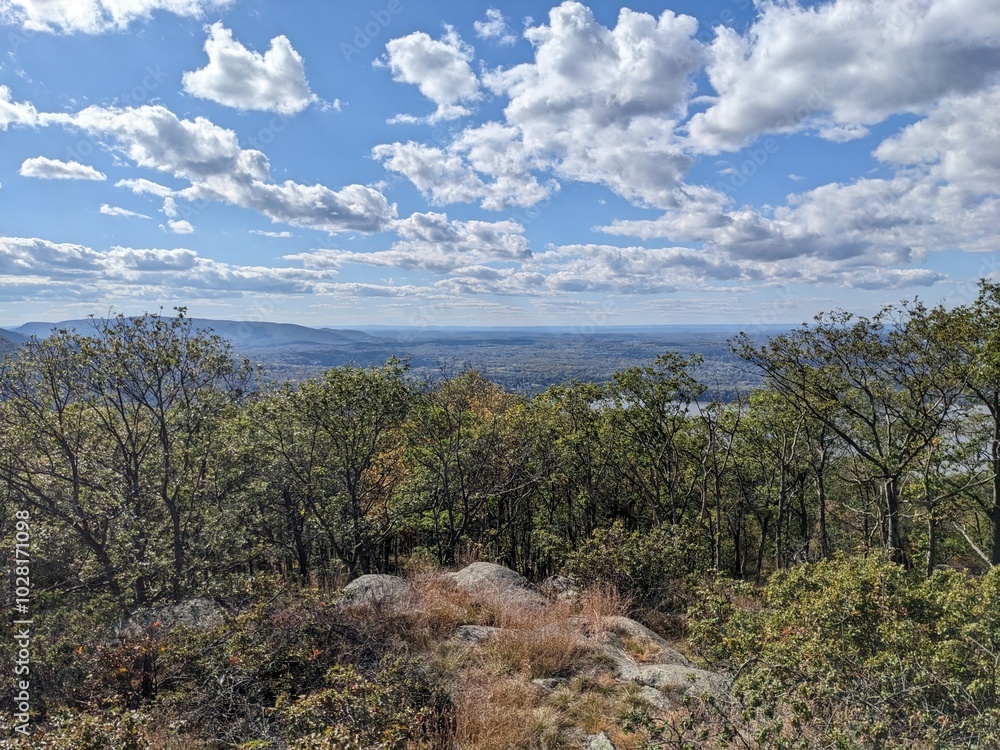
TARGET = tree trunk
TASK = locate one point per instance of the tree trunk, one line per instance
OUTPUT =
(893, 532)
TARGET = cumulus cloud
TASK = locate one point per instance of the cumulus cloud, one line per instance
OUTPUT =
(596, 104)
(97, 16)
(943, 195)
(958, 142)
(429, 241)
(15, 113)
(439, 68)
(180, 226)
(32, 257)
(44, 168)
(494, 27)
(489, 164)
(109, 210)
(210, 159)
(32, 268)
(839, 66)
(240, 78)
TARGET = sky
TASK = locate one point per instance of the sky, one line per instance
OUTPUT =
(423, 163)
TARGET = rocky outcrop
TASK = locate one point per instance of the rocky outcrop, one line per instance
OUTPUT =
(560, 588)
(194, 614)
(376, 590)
(489, 579)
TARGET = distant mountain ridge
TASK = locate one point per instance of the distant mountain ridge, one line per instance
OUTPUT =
(242, 334)
(9, 341)
(522, 359)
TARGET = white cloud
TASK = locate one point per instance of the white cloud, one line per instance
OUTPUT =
(32, 268)
(97, 16)
(842, 65)
(108, 210)
(273, 235)
(438, 67)
(958, 142)
(210, 159)
(143, 186)
(44, 168)
(15, 113)
(494, 27)
(456, 175)
(180, 226)
(430, 242)
(31, 257)
(240, 78)
(597, 105)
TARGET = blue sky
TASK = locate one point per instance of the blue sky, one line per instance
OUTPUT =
(426, 163)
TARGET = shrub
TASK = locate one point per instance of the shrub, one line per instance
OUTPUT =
(648, 568)
(859, 653)
(398, 708)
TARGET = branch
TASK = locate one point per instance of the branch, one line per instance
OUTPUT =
(975, 547)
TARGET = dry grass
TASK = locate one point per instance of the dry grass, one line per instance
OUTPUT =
(599, 602)
(495, 713)
(496, 706)
(433, 610)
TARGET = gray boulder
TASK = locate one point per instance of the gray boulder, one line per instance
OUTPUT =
(560, 588)
(483, 578)
(474, 634)
(659, 651)
(194, 614)
(376, 590)
(691, 681)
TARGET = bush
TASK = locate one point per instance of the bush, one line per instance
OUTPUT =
(223, 684)
(398, 708)
(649, 568)
(859, 653)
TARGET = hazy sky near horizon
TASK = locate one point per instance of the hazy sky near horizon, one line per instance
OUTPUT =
(416, 162)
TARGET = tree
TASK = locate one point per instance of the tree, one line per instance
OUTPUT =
(651, 408)
(972, 336)
(337, 444)
(880, 384)
(112, 434)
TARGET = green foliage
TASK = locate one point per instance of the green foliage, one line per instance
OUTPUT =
(650, 567)
(858, 652)
(121, 730)
(397, 708)
(225, 682)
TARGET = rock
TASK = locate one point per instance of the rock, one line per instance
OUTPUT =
(474, 633)
(658, 651)
(653, 697)
(376, 590)
(194, 614)
(610, 640)
(691, 681)
(600, 742)
(481, 578)
(560, 588)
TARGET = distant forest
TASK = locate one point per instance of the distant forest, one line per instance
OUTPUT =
(158, 466)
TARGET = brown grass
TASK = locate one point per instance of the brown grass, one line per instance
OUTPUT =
(495, 713)
(496, 706)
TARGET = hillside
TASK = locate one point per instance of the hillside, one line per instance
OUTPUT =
(523, 359)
